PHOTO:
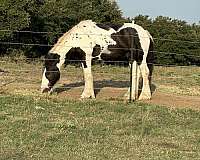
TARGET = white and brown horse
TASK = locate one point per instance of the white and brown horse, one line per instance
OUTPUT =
(88, 40)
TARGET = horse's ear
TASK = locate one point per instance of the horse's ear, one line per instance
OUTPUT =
(48, 56)
(57, 57)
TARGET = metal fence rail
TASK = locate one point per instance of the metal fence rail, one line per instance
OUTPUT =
(25, 75)
(31, 73)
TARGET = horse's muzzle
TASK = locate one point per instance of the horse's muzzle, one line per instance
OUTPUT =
(45, 90)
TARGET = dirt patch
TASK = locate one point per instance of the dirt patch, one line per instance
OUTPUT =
(111, 83)
(171, 100)
(158, 98)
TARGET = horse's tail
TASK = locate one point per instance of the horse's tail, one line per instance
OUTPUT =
(150, 36)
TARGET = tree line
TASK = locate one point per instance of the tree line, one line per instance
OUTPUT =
(176, 41)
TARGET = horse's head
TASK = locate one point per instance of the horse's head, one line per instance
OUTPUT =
(51, 72)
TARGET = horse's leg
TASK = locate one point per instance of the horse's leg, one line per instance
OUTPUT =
(88, 91)
(135, 82)
(146, 92)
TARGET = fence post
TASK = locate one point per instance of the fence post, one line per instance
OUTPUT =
(131, 80)
(131, 70)
(133, 73)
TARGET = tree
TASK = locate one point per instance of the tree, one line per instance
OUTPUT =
(13, 16)
(174, 41)
(55, 17)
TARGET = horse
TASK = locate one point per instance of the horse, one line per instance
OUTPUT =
(89, 40)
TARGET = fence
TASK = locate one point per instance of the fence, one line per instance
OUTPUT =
(24, 75)
(32, 128)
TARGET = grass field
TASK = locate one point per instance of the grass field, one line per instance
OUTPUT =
(39, 126)
(21, 77)
(35, 128)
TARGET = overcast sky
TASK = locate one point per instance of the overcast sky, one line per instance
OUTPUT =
(188, 10)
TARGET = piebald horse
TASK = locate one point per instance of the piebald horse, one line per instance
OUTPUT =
(88, 40)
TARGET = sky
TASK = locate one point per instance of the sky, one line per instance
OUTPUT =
(187, 10)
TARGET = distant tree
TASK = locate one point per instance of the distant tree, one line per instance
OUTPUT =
(54, 17)
(144, 21)
(176, 41)
(13, 16)
(173, 41)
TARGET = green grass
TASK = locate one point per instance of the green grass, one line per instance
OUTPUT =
(35, 126)
(46, 128)
(179, 80)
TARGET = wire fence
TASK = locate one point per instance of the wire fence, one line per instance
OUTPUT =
(48, 45)
(61, 33)
(110, 81)
(18, 43)
(25, 74)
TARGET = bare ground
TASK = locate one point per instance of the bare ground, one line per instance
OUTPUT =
(158, 98)
(172, 92)
(106, 90)
(171, 100)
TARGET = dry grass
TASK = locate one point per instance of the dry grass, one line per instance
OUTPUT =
(24, 78)
(38, 126)
(46, 128)
(178, 80)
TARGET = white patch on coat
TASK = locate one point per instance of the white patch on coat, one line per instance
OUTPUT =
(88, 91)
(86, 34)
(45, 81)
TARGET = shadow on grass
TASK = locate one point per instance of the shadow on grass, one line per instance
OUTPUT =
(98, 85)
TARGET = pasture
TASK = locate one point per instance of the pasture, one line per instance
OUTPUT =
(60, 126)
